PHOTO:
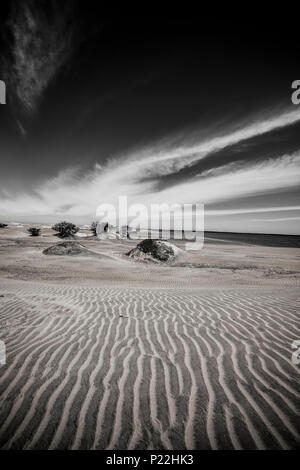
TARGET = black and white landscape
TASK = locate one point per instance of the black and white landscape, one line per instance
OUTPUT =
(110, 343)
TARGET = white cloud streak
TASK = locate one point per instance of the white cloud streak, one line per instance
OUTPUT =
(72, 194)
(172, 160)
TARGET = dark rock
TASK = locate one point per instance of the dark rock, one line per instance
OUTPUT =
(156, 250)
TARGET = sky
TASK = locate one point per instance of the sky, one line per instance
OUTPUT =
(162, 107)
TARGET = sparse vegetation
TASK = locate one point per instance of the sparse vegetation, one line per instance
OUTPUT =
(3, 225)
(65, 229)
(94, 228)
(34, 231)
(126, 231)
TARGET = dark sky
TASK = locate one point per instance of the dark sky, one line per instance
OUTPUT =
(159, 104)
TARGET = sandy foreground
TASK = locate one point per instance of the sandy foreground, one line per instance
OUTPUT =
(107, 353)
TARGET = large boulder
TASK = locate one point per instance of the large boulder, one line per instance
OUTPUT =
(154, 250)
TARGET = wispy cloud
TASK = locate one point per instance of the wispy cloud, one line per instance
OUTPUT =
(173, 159)
(73, 193)
(42, 42)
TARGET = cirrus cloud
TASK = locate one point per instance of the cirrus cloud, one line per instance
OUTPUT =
(42, 42)
(76, 193)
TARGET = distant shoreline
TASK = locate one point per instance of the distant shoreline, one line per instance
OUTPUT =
(260, 239)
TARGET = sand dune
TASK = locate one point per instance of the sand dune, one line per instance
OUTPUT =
(148, 368)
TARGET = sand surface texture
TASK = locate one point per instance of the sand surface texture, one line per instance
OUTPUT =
(108, 353)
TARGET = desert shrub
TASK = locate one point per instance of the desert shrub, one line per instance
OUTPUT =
(125, 231)
(3, 225)
(34, 231)
(65, 229)
(94, 228)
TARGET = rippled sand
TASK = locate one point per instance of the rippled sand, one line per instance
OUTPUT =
(104, 368)
(115, 366)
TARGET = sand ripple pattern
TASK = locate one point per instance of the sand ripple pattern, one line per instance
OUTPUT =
(116, 368)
